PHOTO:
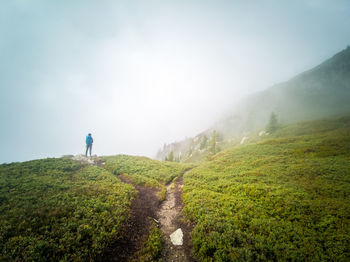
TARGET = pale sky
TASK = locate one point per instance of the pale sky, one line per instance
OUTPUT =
(138, 74)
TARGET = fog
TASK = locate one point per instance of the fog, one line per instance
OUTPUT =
(138, 74)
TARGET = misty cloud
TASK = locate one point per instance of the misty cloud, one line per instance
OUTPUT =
(137, 74)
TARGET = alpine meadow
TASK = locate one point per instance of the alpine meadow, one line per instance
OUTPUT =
(175, 131)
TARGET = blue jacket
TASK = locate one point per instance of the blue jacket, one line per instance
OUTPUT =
(89, 140)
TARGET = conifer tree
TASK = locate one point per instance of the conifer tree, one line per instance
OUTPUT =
(203, 142)
(273, 124)
(213, 141)
(171, 156)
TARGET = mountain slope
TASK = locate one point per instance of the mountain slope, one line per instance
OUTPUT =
(321, 92)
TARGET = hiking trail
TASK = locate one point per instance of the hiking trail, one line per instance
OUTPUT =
(170, 221)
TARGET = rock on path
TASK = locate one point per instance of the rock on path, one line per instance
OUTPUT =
(177, 237)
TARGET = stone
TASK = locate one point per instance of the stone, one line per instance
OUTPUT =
(176, 237)
(262, 133)
(243, 140)
(83, 159)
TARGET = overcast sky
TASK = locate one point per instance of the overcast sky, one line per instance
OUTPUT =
(138, 74)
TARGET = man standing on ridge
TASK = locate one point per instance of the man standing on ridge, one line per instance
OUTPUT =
(89, 142)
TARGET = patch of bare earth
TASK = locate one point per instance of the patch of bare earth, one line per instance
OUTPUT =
(143, 210)
(169, 216)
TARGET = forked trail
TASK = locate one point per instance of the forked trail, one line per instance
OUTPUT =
(146, 208)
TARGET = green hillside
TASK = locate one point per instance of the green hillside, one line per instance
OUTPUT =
(285, 197)
(58, 209)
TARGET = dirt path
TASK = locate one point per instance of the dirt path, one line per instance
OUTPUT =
(169, 218)
(143, 212)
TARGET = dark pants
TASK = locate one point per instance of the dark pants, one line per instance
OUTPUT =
(87, 148)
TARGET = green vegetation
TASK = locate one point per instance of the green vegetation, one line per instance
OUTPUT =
(273, 123)
(203, 143)
(145, 171)
(152, 248)
(170, 157)
(213, 143)
(58, 209)
(286, 197)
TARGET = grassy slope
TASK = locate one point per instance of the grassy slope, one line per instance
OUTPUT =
(145, 171)
(286, 197)
(57, 209)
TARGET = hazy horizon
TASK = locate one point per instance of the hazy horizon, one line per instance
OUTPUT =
(137, 75)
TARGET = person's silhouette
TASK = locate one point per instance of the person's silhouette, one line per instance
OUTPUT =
(89, 142)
